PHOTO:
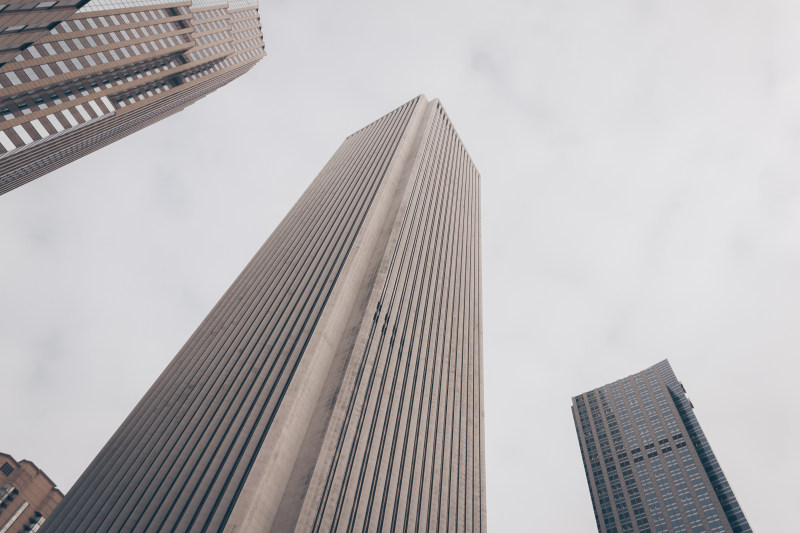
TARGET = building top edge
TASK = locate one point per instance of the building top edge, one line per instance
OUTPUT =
(663, 364)
(38, 470)
(107, 5)
(419, 99)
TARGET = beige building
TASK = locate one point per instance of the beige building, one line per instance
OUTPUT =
(83, 79)
(27, 496)
(337, 385)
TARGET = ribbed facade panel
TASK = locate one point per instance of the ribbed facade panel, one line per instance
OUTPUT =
(349, 347)
(648, 464)
(404, 452)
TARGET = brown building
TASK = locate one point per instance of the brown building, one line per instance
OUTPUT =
(337, 385)
(27, 496)
(23, 22)
(109, 69)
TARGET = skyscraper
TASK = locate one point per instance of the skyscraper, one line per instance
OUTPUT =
(109, 69)
(337, 385)
(647, 461)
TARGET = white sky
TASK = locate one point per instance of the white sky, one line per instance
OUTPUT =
(640, 201)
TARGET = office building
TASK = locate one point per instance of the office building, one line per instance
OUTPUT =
(647, 461)
(82, 79)
(337, 385)
(27, 495)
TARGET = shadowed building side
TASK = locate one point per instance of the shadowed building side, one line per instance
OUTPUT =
(338, 383)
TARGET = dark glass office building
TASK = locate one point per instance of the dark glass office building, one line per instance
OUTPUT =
(649, 466)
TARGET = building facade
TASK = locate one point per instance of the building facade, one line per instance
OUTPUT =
(23, 22)
(647, 461)
(337, 385)
(88, 77)
(27, 496)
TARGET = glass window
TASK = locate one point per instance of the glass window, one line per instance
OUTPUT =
(26, 138)
(69, 117)
(83, 112)
(13, 29)
(6, 142)
(95, 107)
(40, 129)
(11, 75)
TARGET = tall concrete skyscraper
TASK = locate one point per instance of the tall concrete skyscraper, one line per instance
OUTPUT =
(337, 385)
(75, 81)
(647, 461)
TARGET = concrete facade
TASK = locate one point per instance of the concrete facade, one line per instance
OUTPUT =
(112, 68)
(337, 385)
(27, 496)
(648, 464)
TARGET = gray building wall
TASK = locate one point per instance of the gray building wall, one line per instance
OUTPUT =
(338, 382)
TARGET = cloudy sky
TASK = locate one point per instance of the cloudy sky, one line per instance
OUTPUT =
(641, 201)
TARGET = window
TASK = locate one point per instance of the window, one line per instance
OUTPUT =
(55, 123)
(13, 77)
(40, 129)
(23, 134)
(13, 29)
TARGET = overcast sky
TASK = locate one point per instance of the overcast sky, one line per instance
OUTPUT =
(640, 194)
